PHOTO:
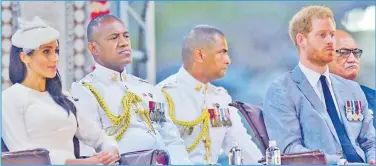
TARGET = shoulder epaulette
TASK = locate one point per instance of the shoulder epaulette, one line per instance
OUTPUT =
(137, 78)
(219, 90)
(88, 78)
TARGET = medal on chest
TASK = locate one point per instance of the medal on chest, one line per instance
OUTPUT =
(354, 110)
(157, 112)
(219, 117)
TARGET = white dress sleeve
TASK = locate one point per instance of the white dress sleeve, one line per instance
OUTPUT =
(14, 131)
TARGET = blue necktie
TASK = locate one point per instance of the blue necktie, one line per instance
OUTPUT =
(347, 147)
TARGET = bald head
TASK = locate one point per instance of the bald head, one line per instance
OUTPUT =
(344, 40)
(94, 23)
(200, 37)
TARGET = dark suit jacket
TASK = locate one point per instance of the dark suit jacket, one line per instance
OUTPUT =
(371, 99)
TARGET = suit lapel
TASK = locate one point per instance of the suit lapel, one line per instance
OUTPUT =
(308, 91)
(340, 94)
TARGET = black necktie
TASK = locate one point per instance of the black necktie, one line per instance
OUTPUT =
(347, 147)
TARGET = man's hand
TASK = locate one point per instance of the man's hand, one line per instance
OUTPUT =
(371, 162)
(93, 160)
(109, 156)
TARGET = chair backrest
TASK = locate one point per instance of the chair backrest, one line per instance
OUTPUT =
(4, 147)
(76, 146)
(33, 156)
(253, 115)
(145, 157)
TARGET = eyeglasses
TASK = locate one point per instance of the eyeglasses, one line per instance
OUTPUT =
(345, 53)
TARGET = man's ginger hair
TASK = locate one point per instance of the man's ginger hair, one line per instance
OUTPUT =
(302, 21)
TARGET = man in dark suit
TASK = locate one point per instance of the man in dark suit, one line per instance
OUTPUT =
(346, 65)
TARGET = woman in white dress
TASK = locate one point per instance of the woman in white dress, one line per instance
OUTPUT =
(36, 113)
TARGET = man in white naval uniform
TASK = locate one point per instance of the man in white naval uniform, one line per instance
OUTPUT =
(201, 110)
(120, 102)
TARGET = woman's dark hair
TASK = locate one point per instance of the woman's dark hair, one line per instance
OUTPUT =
(17, 74)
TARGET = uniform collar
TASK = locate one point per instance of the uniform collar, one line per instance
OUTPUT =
(193, 83)
(107, 73)
(312, 76)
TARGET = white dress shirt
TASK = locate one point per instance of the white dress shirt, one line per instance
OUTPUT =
(189, 102)
(32, 119)
(314, 80)
(112, 86)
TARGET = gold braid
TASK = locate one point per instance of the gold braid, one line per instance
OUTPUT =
(204, 118)
(127, 100)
